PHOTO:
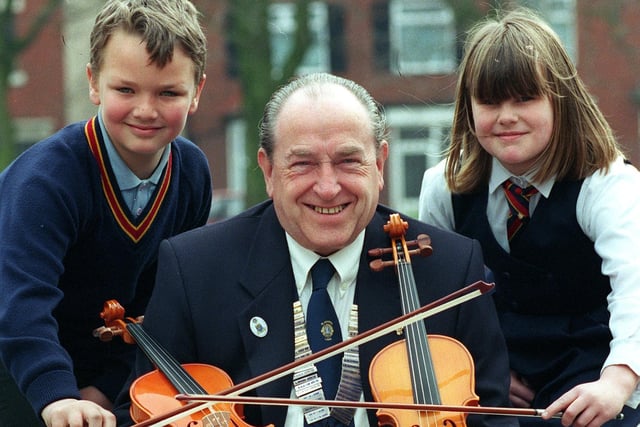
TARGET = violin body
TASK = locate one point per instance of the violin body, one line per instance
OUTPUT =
(152, 394)
(391, 382)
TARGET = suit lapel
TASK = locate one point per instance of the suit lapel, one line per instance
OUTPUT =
(269, 279)
(377, 296)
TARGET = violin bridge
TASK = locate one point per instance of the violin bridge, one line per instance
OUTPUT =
(216, 419)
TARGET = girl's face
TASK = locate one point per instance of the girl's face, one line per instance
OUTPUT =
(514, 131)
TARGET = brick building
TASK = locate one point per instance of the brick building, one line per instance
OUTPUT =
(404, 51)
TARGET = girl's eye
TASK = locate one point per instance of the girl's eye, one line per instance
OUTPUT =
(125, 90)
(486, 101)
(168, 93)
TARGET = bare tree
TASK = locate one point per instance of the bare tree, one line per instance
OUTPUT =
(12, 45)
(249, 37)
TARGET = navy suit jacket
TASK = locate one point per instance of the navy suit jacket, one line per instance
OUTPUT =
(212, 281)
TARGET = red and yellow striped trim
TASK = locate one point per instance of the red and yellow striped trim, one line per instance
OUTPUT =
(135, 232)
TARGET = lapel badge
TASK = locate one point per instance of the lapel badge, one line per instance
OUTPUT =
(258, 326)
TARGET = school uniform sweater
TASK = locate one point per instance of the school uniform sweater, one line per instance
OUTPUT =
(68, 243)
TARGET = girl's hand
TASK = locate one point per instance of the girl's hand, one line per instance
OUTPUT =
(520, 394)
(592, 404)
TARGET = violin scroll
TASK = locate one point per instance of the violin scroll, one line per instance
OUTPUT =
(396, 228)
(115, 325)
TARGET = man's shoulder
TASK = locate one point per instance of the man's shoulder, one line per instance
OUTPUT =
(239, 228)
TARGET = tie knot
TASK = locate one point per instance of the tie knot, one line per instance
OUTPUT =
(515, 189)
(321, 273)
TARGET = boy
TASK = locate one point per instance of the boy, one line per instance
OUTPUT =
(83, 212)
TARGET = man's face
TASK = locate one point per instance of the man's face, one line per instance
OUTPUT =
(325, 175)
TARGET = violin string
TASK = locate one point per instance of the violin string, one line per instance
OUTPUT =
(178, 376)
(165, 362)
(420, 357)
(423, 379)
(421, 353)
(170, 367)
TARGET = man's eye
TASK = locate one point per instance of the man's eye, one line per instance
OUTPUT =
(301, 166)
(301, 163)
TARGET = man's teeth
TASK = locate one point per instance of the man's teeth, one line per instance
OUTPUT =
(329, 211)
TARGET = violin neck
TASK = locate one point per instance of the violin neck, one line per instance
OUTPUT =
(423, 378)
(164, 361)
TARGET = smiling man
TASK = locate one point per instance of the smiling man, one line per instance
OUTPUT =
(241, 288)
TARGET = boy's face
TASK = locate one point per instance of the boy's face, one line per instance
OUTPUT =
(143, 107)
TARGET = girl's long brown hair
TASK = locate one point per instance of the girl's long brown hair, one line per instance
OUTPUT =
(520, 55)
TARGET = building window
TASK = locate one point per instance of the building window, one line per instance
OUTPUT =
(561, 16)
(30, 130)
(422, 37)
(282, 26)
(17, 6)
(419, 137)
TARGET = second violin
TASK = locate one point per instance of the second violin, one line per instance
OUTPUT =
(419, 369)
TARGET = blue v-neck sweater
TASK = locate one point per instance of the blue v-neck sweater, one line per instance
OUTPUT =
(68, 243)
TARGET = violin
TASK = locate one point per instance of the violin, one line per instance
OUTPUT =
(153, 393)
(421, 369)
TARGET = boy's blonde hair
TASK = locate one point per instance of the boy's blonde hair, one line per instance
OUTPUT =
(160, 23)
(517, 56)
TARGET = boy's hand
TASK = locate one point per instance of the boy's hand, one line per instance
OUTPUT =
(77, 413)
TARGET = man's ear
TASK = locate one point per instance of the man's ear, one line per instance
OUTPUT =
(267, 169)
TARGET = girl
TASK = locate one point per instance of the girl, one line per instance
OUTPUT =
(535, 174)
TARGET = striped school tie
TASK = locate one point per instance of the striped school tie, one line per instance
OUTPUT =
(518, 199)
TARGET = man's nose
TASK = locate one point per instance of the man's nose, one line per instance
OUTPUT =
(327, 184)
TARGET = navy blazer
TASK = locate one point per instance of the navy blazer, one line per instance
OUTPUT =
(211, 281)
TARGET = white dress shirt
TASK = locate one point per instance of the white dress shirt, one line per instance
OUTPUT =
(608, 212)
(136, 192)
(341, 289)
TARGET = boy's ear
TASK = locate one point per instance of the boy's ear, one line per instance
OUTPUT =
(196, 96)
(94, 89)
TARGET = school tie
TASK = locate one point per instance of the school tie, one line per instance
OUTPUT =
(518, 199)
(323, 328)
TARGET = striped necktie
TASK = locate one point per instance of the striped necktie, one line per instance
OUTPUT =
(518, 199)
(323, 330)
